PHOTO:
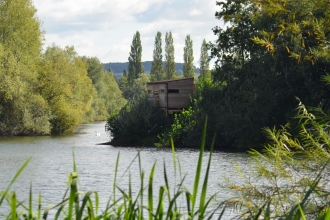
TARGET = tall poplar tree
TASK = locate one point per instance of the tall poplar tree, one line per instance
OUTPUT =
(157, 72)
(204, 62)
(188, 58)
(169, 67)
(135, 67)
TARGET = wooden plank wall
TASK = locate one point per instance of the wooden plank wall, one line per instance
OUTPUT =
(181, 99)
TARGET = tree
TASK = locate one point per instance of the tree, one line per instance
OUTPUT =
(157, 72)
(65, 85)
(135, 90)
(169, 67)
(109, 98)
(135, 67)
(269, 54)
(204, 62)
(20, 31)
(125, 73)
(188, 58)
(22, 109)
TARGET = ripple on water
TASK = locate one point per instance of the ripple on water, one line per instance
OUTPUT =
(52, 162)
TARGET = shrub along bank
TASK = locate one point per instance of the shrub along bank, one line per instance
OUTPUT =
(138, 122)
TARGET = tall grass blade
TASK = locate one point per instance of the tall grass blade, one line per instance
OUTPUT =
(114, 186)
(301, 213)
(207, 205)
(172, 201)
(327, 217)
(141, 187)
(39, 205)
(173, 154)
(13, 206)
(170, 214)
(160, 207)
(86, 200)
(198, 170)
(221, 213)
(166, 182)
(174, 160)
(30, 215)
(188, 201)
(14, 179)
(202, 205)
(59, 211)
(73, 194)
(256, 217)
(46, 212)
(115, 177)
(150, 191)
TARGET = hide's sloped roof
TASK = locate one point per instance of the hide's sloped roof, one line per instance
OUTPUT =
(170, 80)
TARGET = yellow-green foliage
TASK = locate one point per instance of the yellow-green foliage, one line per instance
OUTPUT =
(66, 87)
(51, 92)
(109, 98)
(20, 46)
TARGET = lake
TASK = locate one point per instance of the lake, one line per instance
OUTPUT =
(52, 161)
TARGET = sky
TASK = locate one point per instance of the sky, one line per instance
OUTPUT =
(105, 28)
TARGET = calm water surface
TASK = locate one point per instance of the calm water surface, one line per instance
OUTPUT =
(52, 162)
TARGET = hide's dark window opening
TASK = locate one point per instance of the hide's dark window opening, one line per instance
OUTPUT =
(173, 91)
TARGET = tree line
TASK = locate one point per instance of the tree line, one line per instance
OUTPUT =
(139, 122)
(48, 92)
(270, 56)
(133, 82)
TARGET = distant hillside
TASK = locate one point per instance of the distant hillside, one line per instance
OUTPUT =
(118, 68)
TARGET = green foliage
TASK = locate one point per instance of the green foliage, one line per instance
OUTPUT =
(268, 54)
(22, 109)
(109, 98)
(64, 84)
(157, 72)
(138, 122)
(135, 67)
(293, 170)
(204, 62)
(182, 129)
(169, 66)
(188, 58)
(48, 93)
(137, 89)
(20, 32)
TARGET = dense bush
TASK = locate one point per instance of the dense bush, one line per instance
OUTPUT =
(138, 122)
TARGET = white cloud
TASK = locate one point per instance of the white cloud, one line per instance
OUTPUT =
(195, 12)
(105, 28)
